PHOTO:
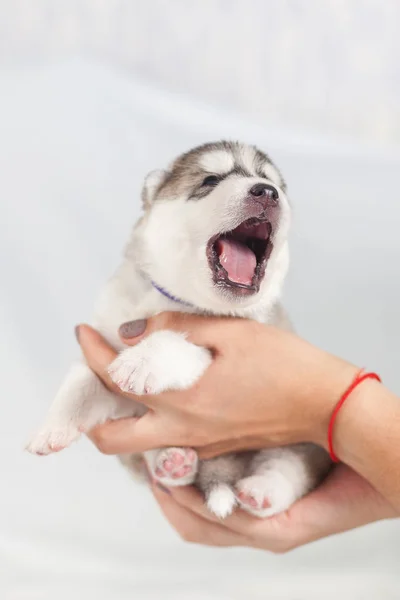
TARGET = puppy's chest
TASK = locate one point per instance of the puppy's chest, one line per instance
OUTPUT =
(129, 299)
(117, 306)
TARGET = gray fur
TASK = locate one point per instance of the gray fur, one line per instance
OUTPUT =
(185, 174)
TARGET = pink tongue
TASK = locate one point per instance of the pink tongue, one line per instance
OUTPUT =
(238, 260)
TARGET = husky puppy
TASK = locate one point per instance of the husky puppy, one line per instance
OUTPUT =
(212, 240)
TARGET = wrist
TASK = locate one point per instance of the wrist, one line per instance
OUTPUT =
(366, 437)
(369, 419)
(325, 390)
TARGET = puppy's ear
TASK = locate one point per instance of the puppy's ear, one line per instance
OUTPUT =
(151, 184)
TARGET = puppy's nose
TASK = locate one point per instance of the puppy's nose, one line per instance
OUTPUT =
(264, 193)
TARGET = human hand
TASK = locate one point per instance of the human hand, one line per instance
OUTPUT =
(205, 416)
(265, 387)
(213, 417)
(344, 501)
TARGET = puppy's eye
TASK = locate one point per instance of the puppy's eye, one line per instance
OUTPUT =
(210, 181)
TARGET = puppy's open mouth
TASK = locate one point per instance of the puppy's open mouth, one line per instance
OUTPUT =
(238, 258)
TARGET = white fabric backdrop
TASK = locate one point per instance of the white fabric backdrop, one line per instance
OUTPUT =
(329, 65)
(75, 143)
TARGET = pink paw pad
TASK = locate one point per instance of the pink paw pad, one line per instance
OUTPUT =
(251, 501)
(174, 463)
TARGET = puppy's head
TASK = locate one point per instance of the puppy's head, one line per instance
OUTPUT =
(215, 227)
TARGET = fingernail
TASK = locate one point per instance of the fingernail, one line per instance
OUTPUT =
(162, 488)
(77, 332)
(132, 329)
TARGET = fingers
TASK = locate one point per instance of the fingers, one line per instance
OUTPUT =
(98, 354)
(192, 527)
(190, 498)
(126, 436)
(332, 508)
(200, 330)
(231, 445)
(240, 523)
(275, 534)
(343, 501)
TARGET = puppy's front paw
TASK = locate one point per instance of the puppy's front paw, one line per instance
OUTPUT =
(173, 466)
(53, 439)
(163, 361)
(267, 494)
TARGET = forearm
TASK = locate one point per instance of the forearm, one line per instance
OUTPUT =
(367, 437)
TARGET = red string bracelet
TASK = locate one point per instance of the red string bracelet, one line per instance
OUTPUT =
(359, 378)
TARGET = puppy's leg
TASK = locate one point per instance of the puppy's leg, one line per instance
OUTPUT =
(279, 477)
(81, 403)
(163, 361)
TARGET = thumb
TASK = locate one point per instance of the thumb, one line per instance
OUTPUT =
(125, 436)
(199, 329)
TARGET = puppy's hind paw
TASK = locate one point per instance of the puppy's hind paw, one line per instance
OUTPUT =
(175, 466)
(265, 495)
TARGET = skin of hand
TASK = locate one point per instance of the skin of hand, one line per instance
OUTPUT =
(247, 356)
(344, 501)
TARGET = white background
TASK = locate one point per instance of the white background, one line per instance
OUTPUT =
(76, 139)
(330, 65)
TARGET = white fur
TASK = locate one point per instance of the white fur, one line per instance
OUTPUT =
(280, 477)
(272, 173)
(190, 226)
(218, 162)
(247, 156)
(151, 183)
(81, 403)
(169, 246)
(163, 361)
(221, 501)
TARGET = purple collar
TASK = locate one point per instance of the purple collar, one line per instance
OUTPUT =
(169, 296)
